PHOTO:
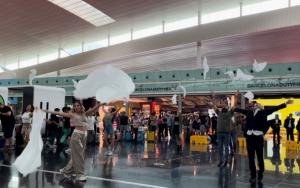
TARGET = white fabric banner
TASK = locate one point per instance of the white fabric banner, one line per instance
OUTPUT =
(30, 159)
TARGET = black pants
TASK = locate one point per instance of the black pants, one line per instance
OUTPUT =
(289, 134)
(276, 132)
(255, 144)
(135, 132)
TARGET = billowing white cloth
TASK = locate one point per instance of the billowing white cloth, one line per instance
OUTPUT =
(74, 83)
(211, 112)
(30, 159)
(230, 74)
(228, 102)
(240, 75)
(205, 68)
(106, 83)
(258, 67)
(32, 75)
(249, 95)
(174, 99)
(183, 89)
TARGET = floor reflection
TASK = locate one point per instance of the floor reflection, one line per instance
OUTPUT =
(158, 164)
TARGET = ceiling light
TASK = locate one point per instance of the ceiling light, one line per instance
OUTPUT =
(85, 11)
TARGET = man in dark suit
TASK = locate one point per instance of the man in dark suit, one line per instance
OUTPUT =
(275, 124)
(256, 126)
(298, 129)
(289, 124)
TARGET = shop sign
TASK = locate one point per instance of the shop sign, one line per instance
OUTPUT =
(278, 84)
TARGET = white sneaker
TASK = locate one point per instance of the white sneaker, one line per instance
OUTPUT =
(80, 178)
(68, 151)
(110, 153)
(64, 174)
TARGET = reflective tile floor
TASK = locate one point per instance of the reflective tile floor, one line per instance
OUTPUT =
(156, 166)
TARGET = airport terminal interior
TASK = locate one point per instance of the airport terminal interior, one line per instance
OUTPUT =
(150, 93)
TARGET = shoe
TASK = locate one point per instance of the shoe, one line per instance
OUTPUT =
(80, 178)
(224, 164)
(68, 151)
(260, 178)
(110, 153)
(252, 180)
(64, 174)
(220, 164)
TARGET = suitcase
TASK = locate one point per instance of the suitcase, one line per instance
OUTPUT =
(151, 136)
(128, 136)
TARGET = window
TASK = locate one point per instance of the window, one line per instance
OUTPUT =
(256, 6)
(147, 32)
(63, 53)
(181, 24)
(119, 39)
(295, 2)
(95, 39)
(217, 10)
(181, 17)
(120, 33)
(74, 50)
(12, 66)
(48, 57)
(147, 25)
(221, 15)
(28, 62)
(95, 45)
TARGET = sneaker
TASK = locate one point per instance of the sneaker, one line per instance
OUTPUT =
(80, 178)
(68, 151)
(252, 180)
(260, 178)
(64, 174)
(110, 153)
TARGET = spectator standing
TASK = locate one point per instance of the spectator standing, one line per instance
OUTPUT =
(275, 124)
(8, 124)
(289, 124)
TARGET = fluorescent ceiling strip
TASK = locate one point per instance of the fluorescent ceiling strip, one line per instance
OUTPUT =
(85, 11)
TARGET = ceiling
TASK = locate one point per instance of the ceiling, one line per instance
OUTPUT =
(273, 46)
(29, 28)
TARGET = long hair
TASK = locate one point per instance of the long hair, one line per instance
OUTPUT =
(82, 107)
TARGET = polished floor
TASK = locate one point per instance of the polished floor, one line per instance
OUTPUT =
(156, 165)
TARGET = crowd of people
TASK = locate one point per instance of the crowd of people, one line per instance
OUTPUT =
(75, 127)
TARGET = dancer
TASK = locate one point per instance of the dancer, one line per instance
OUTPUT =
(108, 120)
(26, 123)
(78, 117)
(256, 127)
(223, 136)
